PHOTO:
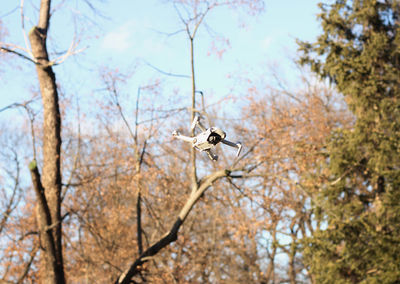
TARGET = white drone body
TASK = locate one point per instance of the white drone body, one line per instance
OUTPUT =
(207, 139)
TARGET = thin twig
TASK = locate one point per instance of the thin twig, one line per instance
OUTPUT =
(28, 50)
(166, 73)
(13, 51)
(9, 13)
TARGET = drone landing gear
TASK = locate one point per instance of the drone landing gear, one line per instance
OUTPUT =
(211, 155)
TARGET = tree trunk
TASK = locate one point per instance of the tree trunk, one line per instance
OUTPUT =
(51, 176)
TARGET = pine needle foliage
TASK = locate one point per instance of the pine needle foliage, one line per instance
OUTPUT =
(359, 52)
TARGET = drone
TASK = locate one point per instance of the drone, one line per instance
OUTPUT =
(207, 139)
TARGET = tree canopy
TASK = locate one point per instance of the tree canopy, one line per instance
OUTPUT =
(94, 189)
(359, 53)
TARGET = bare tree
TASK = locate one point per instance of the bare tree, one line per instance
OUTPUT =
(130, 199)
(192, 15)
(48, 185)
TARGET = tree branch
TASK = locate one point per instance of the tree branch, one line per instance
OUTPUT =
(44, 17)
(44, 216)
(28, 264)
(6, 49)
(172, 235)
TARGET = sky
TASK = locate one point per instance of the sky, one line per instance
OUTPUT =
(139, 37)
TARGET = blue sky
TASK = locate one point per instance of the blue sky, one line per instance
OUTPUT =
(132, 33)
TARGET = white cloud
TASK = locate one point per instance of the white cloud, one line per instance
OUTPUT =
(119, 39)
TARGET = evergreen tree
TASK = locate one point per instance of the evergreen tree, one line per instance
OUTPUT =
(359, 52)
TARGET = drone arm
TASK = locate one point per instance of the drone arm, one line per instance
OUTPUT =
(201, 126)
(183, 137)
(229, 143)
(236, 145)
(196, 122)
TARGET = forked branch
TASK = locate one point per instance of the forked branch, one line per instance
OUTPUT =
(172, 235)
